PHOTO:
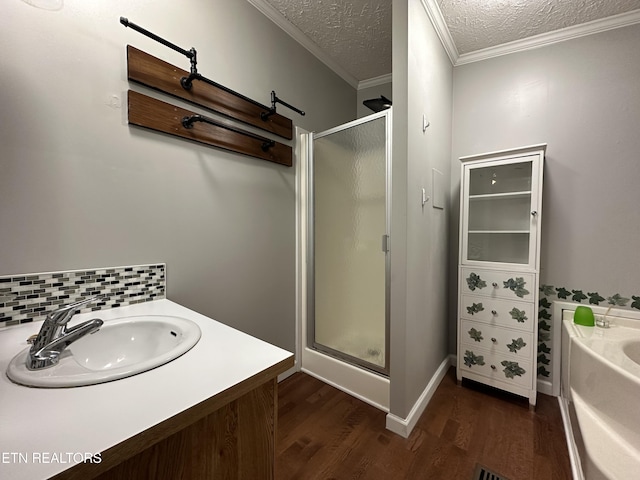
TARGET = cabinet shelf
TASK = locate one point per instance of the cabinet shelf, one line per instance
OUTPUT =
(499, 231)
(499, 196)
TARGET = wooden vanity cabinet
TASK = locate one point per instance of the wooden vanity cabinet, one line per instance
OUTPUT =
(229, 436)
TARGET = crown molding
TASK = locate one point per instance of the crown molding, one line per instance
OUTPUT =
(437, 20)
(276, 17)
(375, 81)
(544, 39)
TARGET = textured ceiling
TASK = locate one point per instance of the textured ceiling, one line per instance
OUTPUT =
(478, 24)
(356, 34)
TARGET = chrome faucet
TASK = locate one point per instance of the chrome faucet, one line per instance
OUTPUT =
(54, 336)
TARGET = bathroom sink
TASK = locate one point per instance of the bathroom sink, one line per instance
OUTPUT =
(632, 351)
(121, 348)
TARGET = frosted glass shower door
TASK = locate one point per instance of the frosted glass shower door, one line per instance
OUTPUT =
(348, 288)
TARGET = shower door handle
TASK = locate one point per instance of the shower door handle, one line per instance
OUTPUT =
(385, 243)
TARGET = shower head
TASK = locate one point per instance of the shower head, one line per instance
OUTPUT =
(378, 104)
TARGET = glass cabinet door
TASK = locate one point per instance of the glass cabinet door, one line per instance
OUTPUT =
(499, 216)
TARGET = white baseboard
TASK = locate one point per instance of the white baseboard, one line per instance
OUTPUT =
(404, 426)
(288, 373)
(546, 387)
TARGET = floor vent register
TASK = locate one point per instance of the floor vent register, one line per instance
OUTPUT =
(483, 473)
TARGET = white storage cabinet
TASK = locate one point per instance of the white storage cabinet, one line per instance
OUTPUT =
(500, 219)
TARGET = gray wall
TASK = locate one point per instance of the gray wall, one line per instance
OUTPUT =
(422, 84)
(80, 188)
(581, 97)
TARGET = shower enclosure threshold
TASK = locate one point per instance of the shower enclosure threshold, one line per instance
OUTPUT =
(363, 384)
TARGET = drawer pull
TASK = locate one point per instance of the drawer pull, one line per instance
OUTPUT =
(493, 367)
(494, 340)
(494, 313)
(495, 285)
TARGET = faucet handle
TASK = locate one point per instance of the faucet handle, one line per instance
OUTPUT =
(63, 314)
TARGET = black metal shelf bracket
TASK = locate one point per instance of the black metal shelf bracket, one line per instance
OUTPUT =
(191, 54)
(274, 99)
(187, 82)
(187, 122)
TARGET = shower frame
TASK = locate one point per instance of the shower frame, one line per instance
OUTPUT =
(384, 245)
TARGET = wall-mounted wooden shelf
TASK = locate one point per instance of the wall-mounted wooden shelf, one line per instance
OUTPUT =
(165, 77)
(148, 112)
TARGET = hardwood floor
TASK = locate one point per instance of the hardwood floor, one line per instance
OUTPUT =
(324, 433)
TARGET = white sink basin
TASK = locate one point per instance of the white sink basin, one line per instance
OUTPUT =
(121, 348)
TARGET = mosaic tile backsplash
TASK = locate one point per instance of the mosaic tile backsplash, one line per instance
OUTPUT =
(28, 298)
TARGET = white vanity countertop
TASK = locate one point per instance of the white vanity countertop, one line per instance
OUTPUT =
(42, 429)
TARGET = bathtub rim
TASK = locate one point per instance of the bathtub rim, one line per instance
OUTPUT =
(618, 316)
(622, 317)
(631, 370)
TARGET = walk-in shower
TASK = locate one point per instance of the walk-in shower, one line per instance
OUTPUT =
(347, 191)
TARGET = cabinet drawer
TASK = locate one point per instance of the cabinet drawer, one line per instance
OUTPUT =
(498, 340)
(495, 366)
(518, 315)
(498, 284)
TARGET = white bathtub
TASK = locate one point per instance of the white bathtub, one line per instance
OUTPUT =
(601, 394)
